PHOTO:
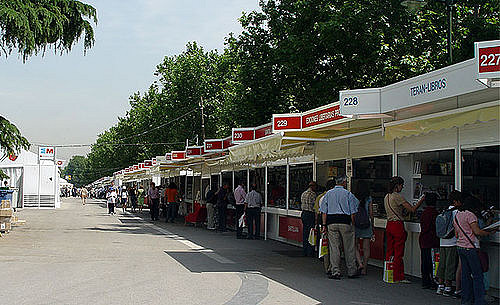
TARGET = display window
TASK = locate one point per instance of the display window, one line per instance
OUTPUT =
(427, 172)
(215, 182)
(480, 167)
(240, 176)
(300, 176)
(258, 177)
(276, 186)
(328, 170)
(181, 184)
(227, 177)
(189, 190)
(205, 182)
(373, 173)
(196, 187)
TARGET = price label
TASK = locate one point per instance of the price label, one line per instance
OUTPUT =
(489, 59)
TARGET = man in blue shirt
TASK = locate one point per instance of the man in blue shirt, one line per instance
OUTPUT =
(338, 207)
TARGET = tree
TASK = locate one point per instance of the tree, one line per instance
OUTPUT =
(30, 26)
(78, 169)
(11, 140)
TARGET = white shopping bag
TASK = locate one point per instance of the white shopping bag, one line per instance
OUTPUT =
(242, 222)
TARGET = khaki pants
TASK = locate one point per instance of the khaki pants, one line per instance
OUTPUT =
(337, 233)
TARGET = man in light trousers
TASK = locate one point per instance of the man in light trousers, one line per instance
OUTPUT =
(338, 209)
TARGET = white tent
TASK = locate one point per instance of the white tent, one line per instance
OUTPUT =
(35, 182)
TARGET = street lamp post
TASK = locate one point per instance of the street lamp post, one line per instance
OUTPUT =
(415, 5)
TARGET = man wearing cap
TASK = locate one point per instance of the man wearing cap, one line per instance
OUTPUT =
(307, 200)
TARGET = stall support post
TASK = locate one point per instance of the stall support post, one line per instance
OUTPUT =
(394, 159)
(232, 177)
(185, 184)
(248, 178)
(265, 203)
(201, 184)
(314, 177)
(220, 175)
(287, 183)
(458, 163)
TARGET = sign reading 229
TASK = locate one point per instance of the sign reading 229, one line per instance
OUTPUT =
(350, 101)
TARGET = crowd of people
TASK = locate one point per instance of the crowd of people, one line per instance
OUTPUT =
(346, 220)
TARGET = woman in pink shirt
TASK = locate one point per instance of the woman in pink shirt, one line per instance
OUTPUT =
(466, 230)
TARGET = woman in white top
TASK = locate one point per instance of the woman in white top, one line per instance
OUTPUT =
(111, 196)
(124, 199)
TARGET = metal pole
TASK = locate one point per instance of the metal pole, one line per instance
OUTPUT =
(202, 120)
(450, 23)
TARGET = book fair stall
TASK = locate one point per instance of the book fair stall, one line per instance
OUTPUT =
(438, 131)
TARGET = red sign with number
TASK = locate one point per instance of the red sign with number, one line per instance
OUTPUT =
(240, 134)
(211, 145)
(263, 131)
(321, 116)
(290, 228)
(178, 155)
(290, 122)
(489, 59)
(194, 151)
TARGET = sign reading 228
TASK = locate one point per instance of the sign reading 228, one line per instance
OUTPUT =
(350, 101)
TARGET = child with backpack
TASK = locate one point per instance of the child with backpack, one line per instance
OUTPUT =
(428, 240)
(448, 256)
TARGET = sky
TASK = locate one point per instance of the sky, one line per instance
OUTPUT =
(72, 98)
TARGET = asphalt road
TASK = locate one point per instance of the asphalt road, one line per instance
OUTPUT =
(80, 255)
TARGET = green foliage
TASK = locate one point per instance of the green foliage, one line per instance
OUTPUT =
(3, 176)
(78, 169)
(292, 56)
(30, 26)
(11, 140)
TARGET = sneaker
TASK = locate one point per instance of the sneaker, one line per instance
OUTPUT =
(335, 276)
(440, 289)
(405, 281)
(447, 292)
(457, 294)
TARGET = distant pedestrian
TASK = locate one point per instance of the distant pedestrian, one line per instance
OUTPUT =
(154, 198)
(84, 194)
(307, 200)
(395, 231)
(111, 196)
(140, 197)
(172, 196)
(239, 198)
(338, 209)
(428, 240)
(211, 199)
(124, 198)
(132, 196)
(364, 234)
(222, 203)
(253, 202)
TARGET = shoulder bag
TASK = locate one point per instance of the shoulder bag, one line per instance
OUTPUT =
(483, 256)
(389, 204)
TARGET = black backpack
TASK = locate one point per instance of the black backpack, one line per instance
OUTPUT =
(361, 221)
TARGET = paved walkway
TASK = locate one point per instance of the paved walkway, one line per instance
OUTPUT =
(80, 255)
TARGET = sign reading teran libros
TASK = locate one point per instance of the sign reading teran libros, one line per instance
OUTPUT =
(46, 153)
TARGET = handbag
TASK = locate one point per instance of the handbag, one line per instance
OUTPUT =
(483, 256)
(242, 222)
(323, 242)
(312, 237)
(389, 270)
